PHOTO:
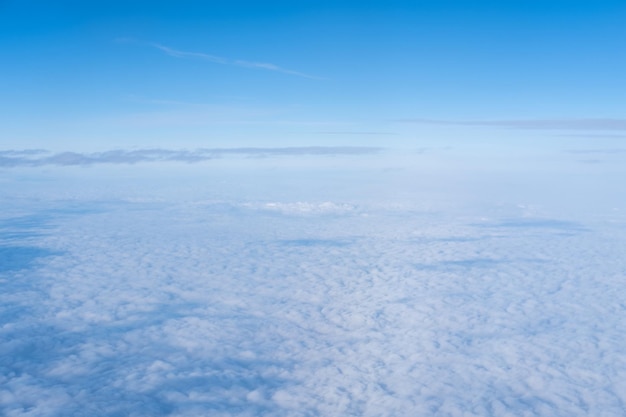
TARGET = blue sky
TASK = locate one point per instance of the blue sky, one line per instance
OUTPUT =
(93, 76)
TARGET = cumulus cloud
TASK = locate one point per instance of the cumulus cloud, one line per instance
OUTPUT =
(17, 158)
(303, 207)
(283, 308)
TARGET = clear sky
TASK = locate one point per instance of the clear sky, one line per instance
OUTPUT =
(88, 76)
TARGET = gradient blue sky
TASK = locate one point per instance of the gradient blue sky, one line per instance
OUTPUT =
(89, 76)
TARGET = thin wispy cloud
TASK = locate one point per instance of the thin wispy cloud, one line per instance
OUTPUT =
(357, 133)
(35, 158)
(176, 53)
(608, 124)
(182, 54)
(594, 135)
(611, 151)
(162, 102)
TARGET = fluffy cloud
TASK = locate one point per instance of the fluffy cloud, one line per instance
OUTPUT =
(303, 207)
(307, 308)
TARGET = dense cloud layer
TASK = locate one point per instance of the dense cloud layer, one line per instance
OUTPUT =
(315, 308)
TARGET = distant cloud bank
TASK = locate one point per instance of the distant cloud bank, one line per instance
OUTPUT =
(41, 157)
(539, 124)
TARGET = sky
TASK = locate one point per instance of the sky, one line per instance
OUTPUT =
(312, 208)
(101, 75)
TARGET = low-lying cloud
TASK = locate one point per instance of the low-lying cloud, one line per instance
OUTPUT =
(177, 310)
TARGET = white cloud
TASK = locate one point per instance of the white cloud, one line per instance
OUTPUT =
(309, 307)
(303, 207)
(221, 60)
(34, 158)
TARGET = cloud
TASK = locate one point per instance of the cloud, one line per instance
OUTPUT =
(594, 135)
(181, 54)
(303, 208)
(612, 151)
(533, 124)
(310, 295)
(22, 152)
(593, 155)
(305, 150)
(172, 311)
(26, 158)
(532, 224)
(356, 133)
(220, 60)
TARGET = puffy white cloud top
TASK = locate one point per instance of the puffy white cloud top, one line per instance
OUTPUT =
(295, 307)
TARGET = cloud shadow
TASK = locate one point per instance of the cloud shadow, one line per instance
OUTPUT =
(16, 258)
